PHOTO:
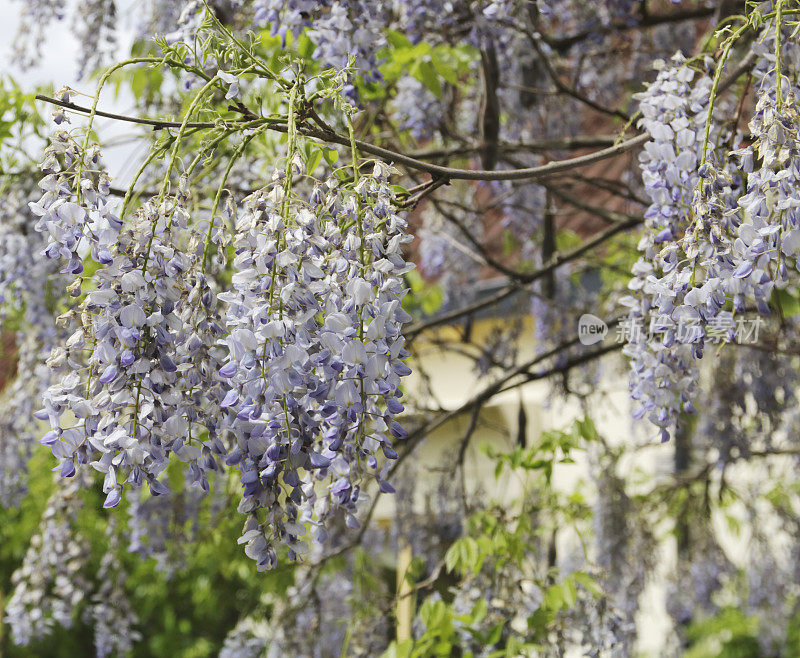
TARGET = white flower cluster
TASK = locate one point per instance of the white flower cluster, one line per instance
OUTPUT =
(74, 210)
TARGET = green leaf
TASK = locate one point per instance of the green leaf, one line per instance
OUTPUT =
(479, 611)
(425, 72)
(464, 555)
(452, 557)
(587, 429)
(499, 467)
(588, 582)
(443, 62)
(495, 634)
(406, 56)
(789, 304)
(305, 47)
(314, 158)
(402, 649)
(538, 621)
(570, 592)
(331, 155)
(554, 597)
(397, 39)
(566, 239)
(432, 300)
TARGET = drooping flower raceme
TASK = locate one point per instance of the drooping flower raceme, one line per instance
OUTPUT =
(415, 108)
(162, 527)
(137, 353)
(146, 360)
(110, 611)
(316, 354)
(662, 371)
(707, 261)
(443, 250)
(19, 430)
(49, 584)
(75, 211)
(296, 387)
(25, 277)
(27, 285)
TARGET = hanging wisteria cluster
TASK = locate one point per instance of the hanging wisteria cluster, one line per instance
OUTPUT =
(292, 377)
(162, 527)
(50, 584)
(674, 114)
(721, 232)
(442, 255)
(314, 336)
(19, 430)
(27, 292)
(626, 553)
(110, 611)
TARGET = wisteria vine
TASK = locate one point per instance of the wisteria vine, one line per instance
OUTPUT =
(237, 316)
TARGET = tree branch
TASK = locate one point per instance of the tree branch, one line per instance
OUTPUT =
(565, 42)
(565, 144)
(555, 261)
(501, 384)
(529, 173)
